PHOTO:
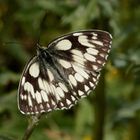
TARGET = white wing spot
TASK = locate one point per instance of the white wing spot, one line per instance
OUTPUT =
(91, 84)
(48, 105)
(84, 41)
(73, 98)
(102, 55)
(41, 84)
(32, 92)
(23, 81)
(38, 97)
(60, 92)
(81, 71)
(61, 104)
(42, 108)
(53, 90)
(74, 93)
(51, 77)
(34, 70)
(77, 52)
(25, 97)
(90, 57)
(49, 109)
(97, 42)
(94, 34)
(78, 77)
(80, 92)
(44, 96)
(64, 44)
(21, 96)
(78, 59)
(94, 80)
(53, 103)
(72, 80)
(47, 87)
(99, 61)
(68, 101)
(95, 67)
(29, 88)
(92, 51)
(86, 87)
(94, 37)
(62, 86)
(94, 74)
(30, 101)
(64, 63)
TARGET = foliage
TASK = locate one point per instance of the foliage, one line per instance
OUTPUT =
(117, 98)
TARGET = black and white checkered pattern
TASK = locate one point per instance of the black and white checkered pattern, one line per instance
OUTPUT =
(67, 70)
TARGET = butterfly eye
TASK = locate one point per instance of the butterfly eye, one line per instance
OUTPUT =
(62, 73)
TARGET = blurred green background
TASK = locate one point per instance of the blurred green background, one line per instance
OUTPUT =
(112, 111)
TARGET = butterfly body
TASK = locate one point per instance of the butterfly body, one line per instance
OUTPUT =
(62, 73)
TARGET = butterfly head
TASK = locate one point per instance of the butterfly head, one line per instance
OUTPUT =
(40, 49)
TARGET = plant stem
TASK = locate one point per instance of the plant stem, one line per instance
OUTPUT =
(31, 126)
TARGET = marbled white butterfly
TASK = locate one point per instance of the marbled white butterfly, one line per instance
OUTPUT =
(67, 70)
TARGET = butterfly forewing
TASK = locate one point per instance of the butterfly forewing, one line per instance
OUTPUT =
(88, 49)
(67, 70)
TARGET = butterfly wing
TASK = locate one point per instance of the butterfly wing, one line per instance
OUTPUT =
(79, 57)
(71, 72)
(87, 49)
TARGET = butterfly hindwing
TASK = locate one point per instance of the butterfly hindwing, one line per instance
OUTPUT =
(66, 71)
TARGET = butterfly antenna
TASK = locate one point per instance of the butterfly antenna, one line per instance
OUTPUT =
(42, 26)
(38, 48)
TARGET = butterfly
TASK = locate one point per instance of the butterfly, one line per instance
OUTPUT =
(63, 72)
